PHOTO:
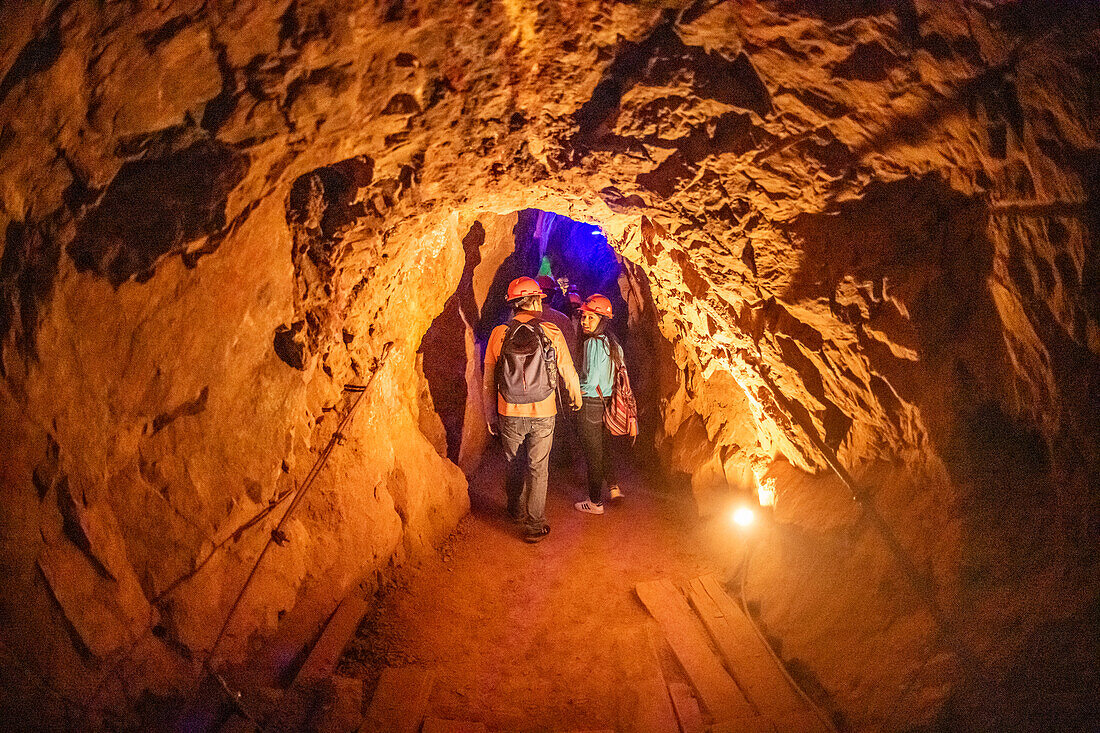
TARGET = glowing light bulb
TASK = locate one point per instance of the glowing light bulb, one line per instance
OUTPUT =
(744, 516)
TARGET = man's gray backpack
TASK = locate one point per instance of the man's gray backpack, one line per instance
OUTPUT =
(527, 369)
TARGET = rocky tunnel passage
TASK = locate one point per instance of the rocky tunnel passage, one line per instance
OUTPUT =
(859, 240)
(497, 251)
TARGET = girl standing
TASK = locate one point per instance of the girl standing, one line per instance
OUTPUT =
(600, 357)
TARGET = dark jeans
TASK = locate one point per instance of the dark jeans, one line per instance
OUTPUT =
(597, 455)
(526, 489)
(565, 440)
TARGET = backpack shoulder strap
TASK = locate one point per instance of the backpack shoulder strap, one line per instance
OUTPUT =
(542, 327)
(512, 325)
(549, 351)
(541, 330)
(614, 348)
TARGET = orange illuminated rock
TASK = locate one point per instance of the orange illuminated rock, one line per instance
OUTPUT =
(865, 226)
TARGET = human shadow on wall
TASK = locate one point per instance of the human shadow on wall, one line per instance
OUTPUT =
(496, 311)
(444, 346)
(906, 267)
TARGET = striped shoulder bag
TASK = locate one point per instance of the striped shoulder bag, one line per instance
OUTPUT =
(620, 413)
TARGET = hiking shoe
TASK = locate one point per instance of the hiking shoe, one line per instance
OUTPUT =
(589, 507)
(536, 534)
(615, 492)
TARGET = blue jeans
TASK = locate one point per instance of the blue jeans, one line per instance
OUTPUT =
(527, 489)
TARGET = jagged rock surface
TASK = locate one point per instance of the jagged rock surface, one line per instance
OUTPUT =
(869, 229)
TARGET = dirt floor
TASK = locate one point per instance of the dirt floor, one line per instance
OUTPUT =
(540, 637)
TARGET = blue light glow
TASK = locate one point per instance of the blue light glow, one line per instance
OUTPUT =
(581, 252)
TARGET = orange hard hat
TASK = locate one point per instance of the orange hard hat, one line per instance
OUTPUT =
(546, 282)
(597, 304)
(522, 287)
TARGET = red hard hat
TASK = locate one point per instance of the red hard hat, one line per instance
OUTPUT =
(521, 287)
(575, 298)
(597, 304)
(546, 282)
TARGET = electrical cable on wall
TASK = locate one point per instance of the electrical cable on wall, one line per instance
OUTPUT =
(826, 719)
(921, 584)
(277, 536)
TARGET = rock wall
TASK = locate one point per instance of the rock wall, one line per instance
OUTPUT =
(869, 229)
(453, 345)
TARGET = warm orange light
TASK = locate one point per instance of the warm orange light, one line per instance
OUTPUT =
(765, 491)
(743, 516)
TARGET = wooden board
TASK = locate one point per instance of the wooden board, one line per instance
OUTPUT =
(745, 654)
(644, 703)
(279, 662)
(399, 701)
(687, 708)
(435, 725)
(739, 652)
(341, 626)
(714, 685)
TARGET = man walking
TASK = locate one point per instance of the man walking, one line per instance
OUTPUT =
(522, 362)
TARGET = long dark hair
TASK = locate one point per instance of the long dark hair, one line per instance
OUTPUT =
(603, 331)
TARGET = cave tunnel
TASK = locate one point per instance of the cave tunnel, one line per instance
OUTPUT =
(252, 256)
(573, 254)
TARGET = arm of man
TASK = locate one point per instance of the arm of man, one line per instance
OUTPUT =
(565, 365)
(489, 377)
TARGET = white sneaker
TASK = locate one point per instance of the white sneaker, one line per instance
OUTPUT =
(588, 507)
(615, 492)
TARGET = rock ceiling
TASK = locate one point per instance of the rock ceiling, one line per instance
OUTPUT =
(868, 227)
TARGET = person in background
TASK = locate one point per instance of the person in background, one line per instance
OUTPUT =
(564, 427)
(573, 302)
(561, 293)
(523, 360)
(600, 357)
(555, 298)
(555, 316)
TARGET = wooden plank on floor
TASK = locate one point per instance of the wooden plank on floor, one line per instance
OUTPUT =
(738, 630)
(716, 688)
(399, 701)
(280, 660)
(745, 654)
(326, 653)
(645, 705)
(738, 653)
(436, 725)
(686, 707)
